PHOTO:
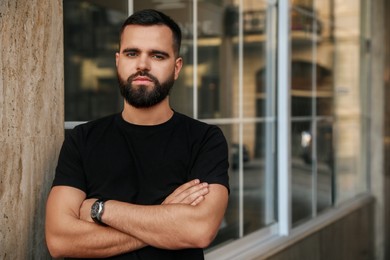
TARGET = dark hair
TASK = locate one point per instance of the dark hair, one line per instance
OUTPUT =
(153, 17)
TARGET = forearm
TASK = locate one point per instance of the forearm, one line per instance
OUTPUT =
(85, 239)
(69, 236)
(159, 226)
(171, 226)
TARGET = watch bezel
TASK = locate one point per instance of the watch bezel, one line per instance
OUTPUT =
(97, 210)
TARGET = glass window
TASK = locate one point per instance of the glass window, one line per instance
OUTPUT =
(259, 112)
(230, 79)
(91, 33)
(311, 109)
(326, 122)
(350, 101)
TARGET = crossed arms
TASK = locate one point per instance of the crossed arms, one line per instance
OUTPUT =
(188, 218)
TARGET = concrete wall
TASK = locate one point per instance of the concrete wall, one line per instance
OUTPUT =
(31, 120)
(351, 238)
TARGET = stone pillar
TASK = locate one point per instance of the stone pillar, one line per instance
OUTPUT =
(31, 120)
(378, 26)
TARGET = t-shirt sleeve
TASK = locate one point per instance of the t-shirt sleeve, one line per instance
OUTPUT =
(211, 163)
(69, 171)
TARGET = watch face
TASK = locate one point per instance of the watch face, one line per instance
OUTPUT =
(95, 209)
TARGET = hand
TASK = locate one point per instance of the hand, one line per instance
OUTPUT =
(190, 193)
(85, 210)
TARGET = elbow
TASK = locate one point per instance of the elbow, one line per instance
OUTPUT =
(54, 251)
(205, 237)
(55, 254)
(203, 242)
(55, 247)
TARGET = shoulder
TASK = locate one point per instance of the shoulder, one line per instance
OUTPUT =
(92, 129)
(96, 124)
(194, 124)
(200, 131)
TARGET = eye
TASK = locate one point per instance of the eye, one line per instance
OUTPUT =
(158, 57)
(131, 54)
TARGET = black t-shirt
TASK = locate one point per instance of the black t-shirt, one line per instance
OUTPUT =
(113, 159)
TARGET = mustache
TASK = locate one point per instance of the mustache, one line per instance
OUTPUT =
(142, 74)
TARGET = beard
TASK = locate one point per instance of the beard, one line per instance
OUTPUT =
(141, 96)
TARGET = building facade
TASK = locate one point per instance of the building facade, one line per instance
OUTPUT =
(297, 86)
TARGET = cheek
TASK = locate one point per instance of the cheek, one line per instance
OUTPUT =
(124, 69)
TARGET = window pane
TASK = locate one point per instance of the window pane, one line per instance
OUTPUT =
(325, 165)
(302, 176)
(229, 229)
(211, 75)
(259, 177)
(258, 95)
(349, 143)
(91, 34)
(326, 102)
(304, 85)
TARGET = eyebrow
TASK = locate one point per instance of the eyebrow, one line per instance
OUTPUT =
(163, 53)
(130, 50)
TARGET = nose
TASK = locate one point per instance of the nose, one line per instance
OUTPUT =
(143, 63)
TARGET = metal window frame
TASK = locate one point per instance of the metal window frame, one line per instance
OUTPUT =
(284, 119)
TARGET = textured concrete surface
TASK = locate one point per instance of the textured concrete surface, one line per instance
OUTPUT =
(350, 238)
(31, 120)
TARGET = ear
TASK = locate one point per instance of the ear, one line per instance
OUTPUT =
(116, 59)
(178, 66)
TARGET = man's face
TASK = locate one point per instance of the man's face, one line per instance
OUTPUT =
(146, 64)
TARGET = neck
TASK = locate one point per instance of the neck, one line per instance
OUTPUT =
(155, 115)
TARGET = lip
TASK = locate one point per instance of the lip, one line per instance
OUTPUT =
(142, 79)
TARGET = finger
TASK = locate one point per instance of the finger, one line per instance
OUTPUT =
(194, 196)
(189, 195)
(175, 195)
(197, 201)
(186, 186)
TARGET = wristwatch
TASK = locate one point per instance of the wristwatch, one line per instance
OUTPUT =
(97, 210)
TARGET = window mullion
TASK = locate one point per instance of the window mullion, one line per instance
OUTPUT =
(284, 119)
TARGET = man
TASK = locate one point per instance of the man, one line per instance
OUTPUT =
(148, 183)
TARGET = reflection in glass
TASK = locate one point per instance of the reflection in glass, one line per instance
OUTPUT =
(229, 229)
(91, 33)
(214, 56)
(349, 141)
(312, 109)
(258, 95)
(326, 133)
(325, 165)
(301, 171)
(259, 180)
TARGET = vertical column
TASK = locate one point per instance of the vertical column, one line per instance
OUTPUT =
(378, 27)
(31, 120)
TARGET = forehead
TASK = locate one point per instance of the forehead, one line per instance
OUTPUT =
(150, 36)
